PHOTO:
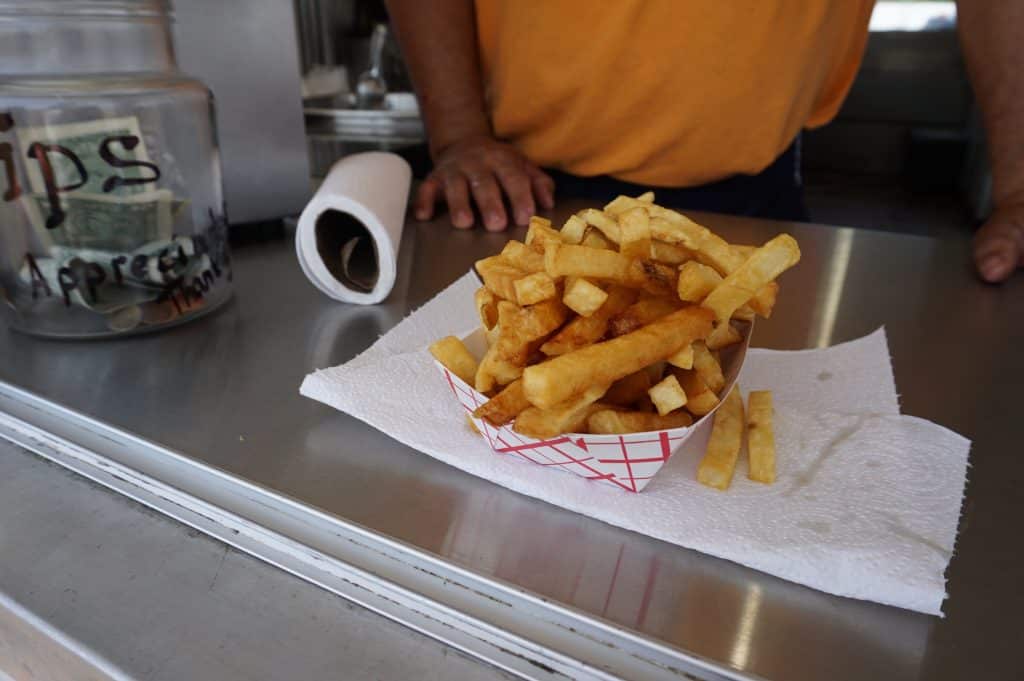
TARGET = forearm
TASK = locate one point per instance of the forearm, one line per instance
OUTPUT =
(991, 32)
(438, 40)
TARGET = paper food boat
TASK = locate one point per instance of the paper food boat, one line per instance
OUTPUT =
(627, 461)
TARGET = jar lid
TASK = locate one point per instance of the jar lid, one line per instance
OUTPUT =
(83, 8)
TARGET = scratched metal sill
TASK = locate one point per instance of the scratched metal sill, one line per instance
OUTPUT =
(505, 626)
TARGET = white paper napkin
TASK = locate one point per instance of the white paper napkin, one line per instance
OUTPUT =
(866, 503)
(357, 262)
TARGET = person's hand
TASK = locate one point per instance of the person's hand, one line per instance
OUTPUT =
(480, 170)
(999, 244)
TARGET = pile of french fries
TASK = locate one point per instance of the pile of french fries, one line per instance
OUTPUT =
(614, 323)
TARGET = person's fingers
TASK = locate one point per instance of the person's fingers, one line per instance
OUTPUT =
(543, 187)
(426, 198)
(996, 257)
(995, 267)
(998, 250)
(456, 193)
(487, 195)
(516, 184)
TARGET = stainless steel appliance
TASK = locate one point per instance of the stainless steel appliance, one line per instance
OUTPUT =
(247, 52)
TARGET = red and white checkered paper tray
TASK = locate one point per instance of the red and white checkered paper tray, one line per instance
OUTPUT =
(627, 461)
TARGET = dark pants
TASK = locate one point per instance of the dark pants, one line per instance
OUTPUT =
(777, 192)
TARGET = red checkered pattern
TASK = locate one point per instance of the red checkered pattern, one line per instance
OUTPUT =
(624, 461)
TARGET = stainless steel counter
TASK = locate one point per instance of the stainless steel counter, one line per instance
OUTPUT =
(225, 391)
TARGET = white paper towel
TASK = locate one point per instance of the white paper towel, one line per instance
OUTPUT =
(866, 502)
(372, 188)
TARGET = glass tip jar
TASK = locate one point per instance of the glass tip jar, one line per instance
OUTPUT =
(112, 217)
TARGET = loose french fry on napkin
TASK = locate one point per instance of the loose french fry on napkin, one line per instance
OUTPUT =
(760, 436)
(719, 462)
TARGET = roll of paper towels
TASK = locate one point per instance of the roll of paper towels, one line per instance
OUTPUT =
(348, 236)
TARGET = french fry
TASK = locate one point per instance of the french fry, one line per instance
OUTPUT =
(560, 378)
(700, 399)
(645, 405)
(654, 278)
(534, 288)
(610, 422)
(764, 301)
(522, 331)
(707, 367)
(567, 417)
(760, 437)
(601, 220)
(567, 260)
(667, 395)
(486, 307)
(761, 268)
(669, 254)
(540, 233)
(583, 331)
(628, 390)
(641, 313)
(493, 332)
(583, 297)
(656, 371)
(746, 313)
(472, 426)
(723, 336)
(518, 254)
(504, 406)
(744, 251)
(708, 247)
(668, 225)
(684, 358)
(719, 462)
(499, 276)
(453, 354)
(484, 380)
(634, 233)
(621, 204)
(595, 239)
(561, 260)
(574, 229)
(696, 281)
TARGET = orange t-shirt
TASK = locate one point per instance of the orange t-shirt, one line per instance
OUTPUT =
(665, 92)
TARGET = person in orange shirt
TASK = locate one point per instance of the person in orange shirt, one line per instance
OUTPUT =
(703, 101)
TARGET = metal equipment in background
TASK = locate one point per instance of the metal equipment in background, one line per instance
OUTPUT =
(247, 52)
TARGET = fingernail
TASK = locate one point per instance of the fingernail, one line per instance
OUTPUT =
(993, 267)
(422, 215)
